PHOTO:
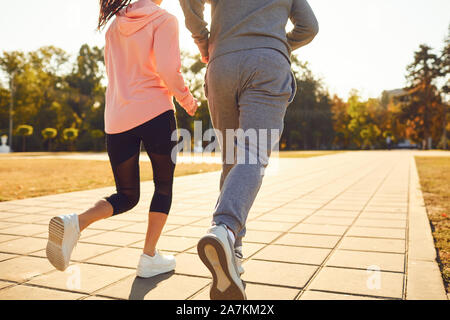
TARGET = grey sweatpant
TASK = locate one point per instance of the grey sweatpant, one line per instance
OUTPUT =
(248, 90)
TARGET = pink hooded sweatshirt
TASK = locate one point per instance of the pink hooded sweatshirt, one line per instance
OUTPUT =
(142, 58)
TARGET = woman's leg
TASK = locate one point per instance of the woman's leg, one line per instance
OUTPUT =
(163, 170)
(123, 151)
(101, 210)
(158, 143)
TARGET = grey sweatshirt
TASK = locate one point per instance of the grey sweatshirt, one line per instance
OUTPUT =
(246, 24)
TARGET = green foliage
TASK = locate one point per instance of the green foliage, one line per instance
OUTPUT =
(49, 133)
(70, 134)
(97, 134)
(24, 130)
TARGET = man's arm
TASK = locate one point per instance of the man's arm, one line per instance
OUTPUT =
(305, 23)
(196, 24)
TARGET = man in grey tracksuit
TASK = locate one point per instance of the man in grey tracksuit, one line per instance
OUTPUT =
(249, 85)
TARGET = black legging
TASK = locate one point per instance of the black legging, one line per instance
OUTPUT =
(124, 149)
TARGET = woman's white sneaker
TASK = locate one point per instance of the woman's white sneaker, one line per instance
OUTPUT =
(151, 266)
(63, 235)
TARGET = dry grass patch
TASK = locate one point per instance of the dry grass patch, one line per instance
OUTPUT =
(26, 178)
(434, 175)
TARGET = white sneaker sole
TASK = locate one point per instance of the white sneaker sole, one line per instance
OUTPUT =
(226, 283)
(143, 274)
(54, 249)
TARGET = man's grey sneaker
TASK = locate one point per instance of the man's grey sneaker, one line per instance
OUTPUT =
(63, 235)
(216, 251)
(239, 256)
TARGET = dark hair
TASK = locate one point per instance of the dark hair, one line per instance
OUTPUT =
(108, 9)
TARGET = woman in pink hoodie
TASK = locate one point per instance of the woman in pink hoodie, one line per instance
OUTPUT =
(142, 58)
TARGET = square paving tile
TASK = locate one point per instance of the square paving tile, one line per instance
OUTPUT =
(172, 243)
(292, 211)
(6, 256)
(329, 220)
(29, 209)
(123, 257)
(308, 240)
(85, 251)
(182, 220)
(97, 298)
(162, 287)
(320, 295)
(23, 268)
(4, 284)
(278, 273)
(292, 254)
(82, 277)
(362, 282)
(325, 229)
(269, 225)
(24, 292)
(364, 260)
(259, 292)
(115, 238)
(188, 231)
(29, 218)
(205, 223)
(261, 236)
(23, 245)
(282, 217)
(373, 244)
(7, 237)
(90, 232)
(4, 225)
(190, 264)
(108, 224)
(336, 214)
(136, 227)
(362, 222)
(383, 216)
(25, 229)
(8, 215)
(377, 232)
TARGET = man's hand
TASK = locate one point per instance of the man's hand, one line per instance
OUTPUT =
(205, 60)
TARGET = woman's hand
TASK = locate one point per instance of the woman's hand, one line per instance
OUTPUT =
(205, 60)
(194, 108)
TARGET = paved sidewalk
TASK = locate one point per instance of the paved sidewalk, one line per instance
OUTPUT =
(344, 226)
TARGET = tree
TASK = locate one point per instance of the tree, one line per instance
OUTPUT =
(445, 71)
(12, 63)
(97, 135)
(422, 108)
(24, 131)
(49, 134)
(70, 134)
(341, 119)
(308, 121)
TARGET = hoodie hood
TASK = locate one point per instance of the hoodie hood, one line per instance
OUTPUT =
(137, 15)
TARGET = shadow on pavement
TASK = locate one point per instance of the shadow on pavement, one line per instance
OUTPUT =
(142, 286)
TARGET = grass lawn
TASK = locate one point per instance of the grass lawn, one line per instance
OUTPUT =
(306, 154)
(25, 178)
(434, 173)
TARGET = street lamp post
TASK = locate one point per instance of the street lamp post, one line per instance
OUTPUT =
(11, 110)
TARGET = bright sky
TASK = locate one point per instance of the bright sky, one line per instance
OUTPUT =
(362, 44)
